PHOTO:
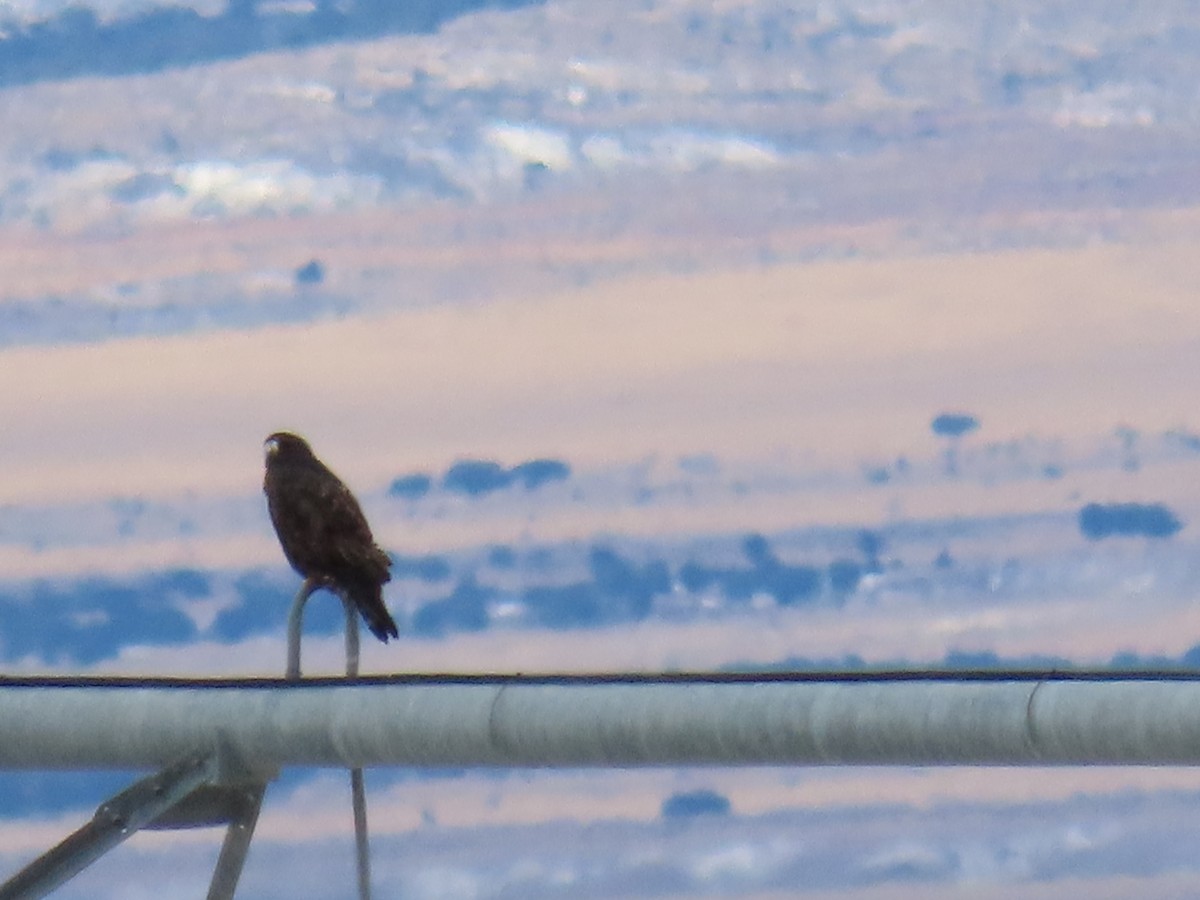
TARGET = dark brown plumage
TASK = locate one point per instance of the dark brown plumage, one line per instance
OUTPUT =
(322, 530)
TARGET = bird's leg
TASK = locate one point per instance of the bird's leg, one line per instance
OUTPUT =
(296, 624)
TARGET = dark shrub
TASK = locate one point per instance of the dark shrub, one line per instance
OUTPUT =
(1153, 520)
(476, 476)
(695, 803)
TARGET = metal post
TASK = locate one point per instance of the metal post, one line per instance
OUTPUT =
(351, 638)
(362, 845)
(296, 626)
(358, 794)
(115, 821)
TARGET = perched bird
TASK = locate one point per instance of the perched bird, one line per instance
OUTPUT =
(323, 532)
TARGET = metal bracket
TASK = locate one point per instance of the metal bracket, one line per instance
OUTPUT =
(204, 789)
(186, 794)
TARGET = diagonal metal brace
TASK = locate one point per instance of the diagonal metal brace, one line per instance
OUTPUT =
(242, 818)
(114, 821)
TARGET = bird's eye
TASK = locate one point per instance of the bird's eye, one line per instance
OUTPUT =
(272, 446)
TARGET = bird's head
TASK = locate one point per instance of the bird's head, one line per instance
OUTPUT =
(284, 444)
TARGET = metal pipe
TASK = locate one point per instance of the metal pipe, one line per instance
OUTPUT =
(295, 625)
(424, 721)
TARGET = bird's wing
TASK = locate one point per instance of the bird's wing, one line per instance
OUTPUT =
(343, 530)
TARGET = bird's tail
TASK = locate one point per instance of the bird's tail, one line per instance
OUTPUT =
(368, 598)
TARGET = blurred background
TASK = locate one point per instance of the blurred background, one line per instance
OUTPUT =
(652, 335)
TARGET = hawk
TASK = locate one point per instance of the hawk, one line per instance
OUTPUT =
(323, 532)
